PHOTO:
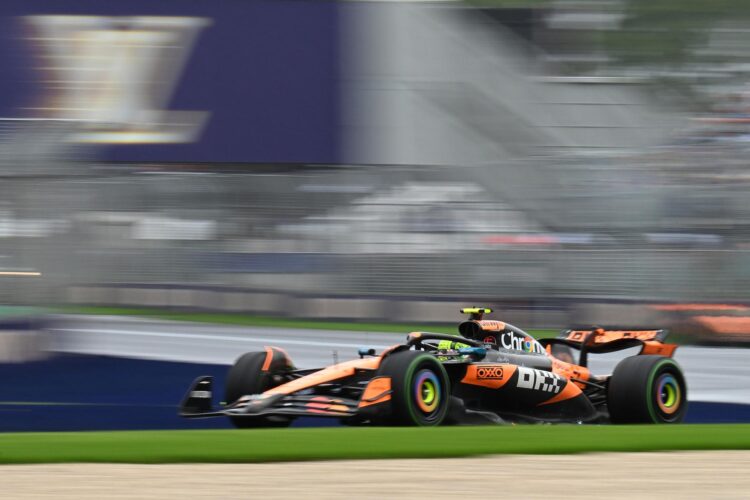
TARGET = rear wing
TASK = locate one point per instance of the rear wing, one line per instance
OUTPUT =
(602, 340)
(604, 335)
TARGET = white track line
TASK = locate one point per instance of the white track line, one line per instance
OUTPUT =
(275, 340)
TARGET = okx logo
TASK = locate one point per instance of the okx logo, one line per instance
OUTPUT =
(539, 380)
(116, 75)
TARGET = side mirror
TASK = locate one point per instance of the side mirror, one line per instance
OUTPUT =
(365, 351)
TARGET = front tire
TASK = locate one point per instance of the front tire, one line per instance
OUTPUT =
(421, 389)
(247, 377)
(647, 389)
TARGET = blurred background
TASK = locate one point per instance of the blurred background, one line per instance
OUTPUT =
(567, 162)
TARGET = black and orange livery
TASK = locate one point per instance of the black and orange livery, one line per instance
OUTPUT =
(492, 372)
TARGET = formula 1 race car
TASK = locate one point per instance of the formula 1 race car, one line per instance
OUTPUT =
(493, 372)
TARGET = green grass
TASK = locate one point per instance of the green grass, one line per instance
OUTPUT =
(17, 311)
(273, 445)
(247, 320)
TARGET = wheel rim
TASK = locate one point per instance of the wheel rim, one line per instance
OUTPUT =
(668, 394)
(427, 392)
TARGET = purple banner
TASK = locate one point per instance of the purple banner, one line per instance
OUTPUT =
(246, 81)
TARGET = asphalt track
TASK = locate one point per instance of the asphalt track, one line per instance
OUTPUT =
(127, 373)
(713, 374)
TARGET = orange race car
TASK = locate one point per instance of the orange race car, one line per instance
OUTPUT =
(492, 372)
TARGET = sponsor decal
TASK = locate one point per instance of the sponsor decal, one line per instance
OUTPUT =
(601, 335)
(539, 380)
(490, 372)
(489, 324)
(490, 339)
(510, 340)
(200, 394)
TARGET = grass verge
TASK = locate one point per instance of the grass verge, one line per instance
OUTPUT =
(277, 445)
(246, 320)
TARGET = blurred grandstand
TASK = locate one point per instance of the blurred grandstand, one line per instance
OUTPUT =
(482, 160)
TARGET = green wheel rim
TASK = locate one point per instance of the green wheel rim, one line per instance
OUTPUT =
(425, 396)
(429, 392)
(664, 394)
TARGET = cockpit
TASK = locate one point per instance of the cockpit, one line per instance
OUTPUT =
(497, 334)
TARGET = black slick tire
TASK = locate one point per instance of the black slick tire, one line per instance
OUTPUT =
(247, 377)
(421, 389)
(647, 389)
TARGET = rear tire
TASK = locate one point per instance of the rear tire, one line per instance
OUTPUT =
(247, 377)
(421, 389)
(647, 389)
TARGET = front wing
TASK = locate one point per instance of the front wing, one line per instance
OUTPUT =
(197, 403)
